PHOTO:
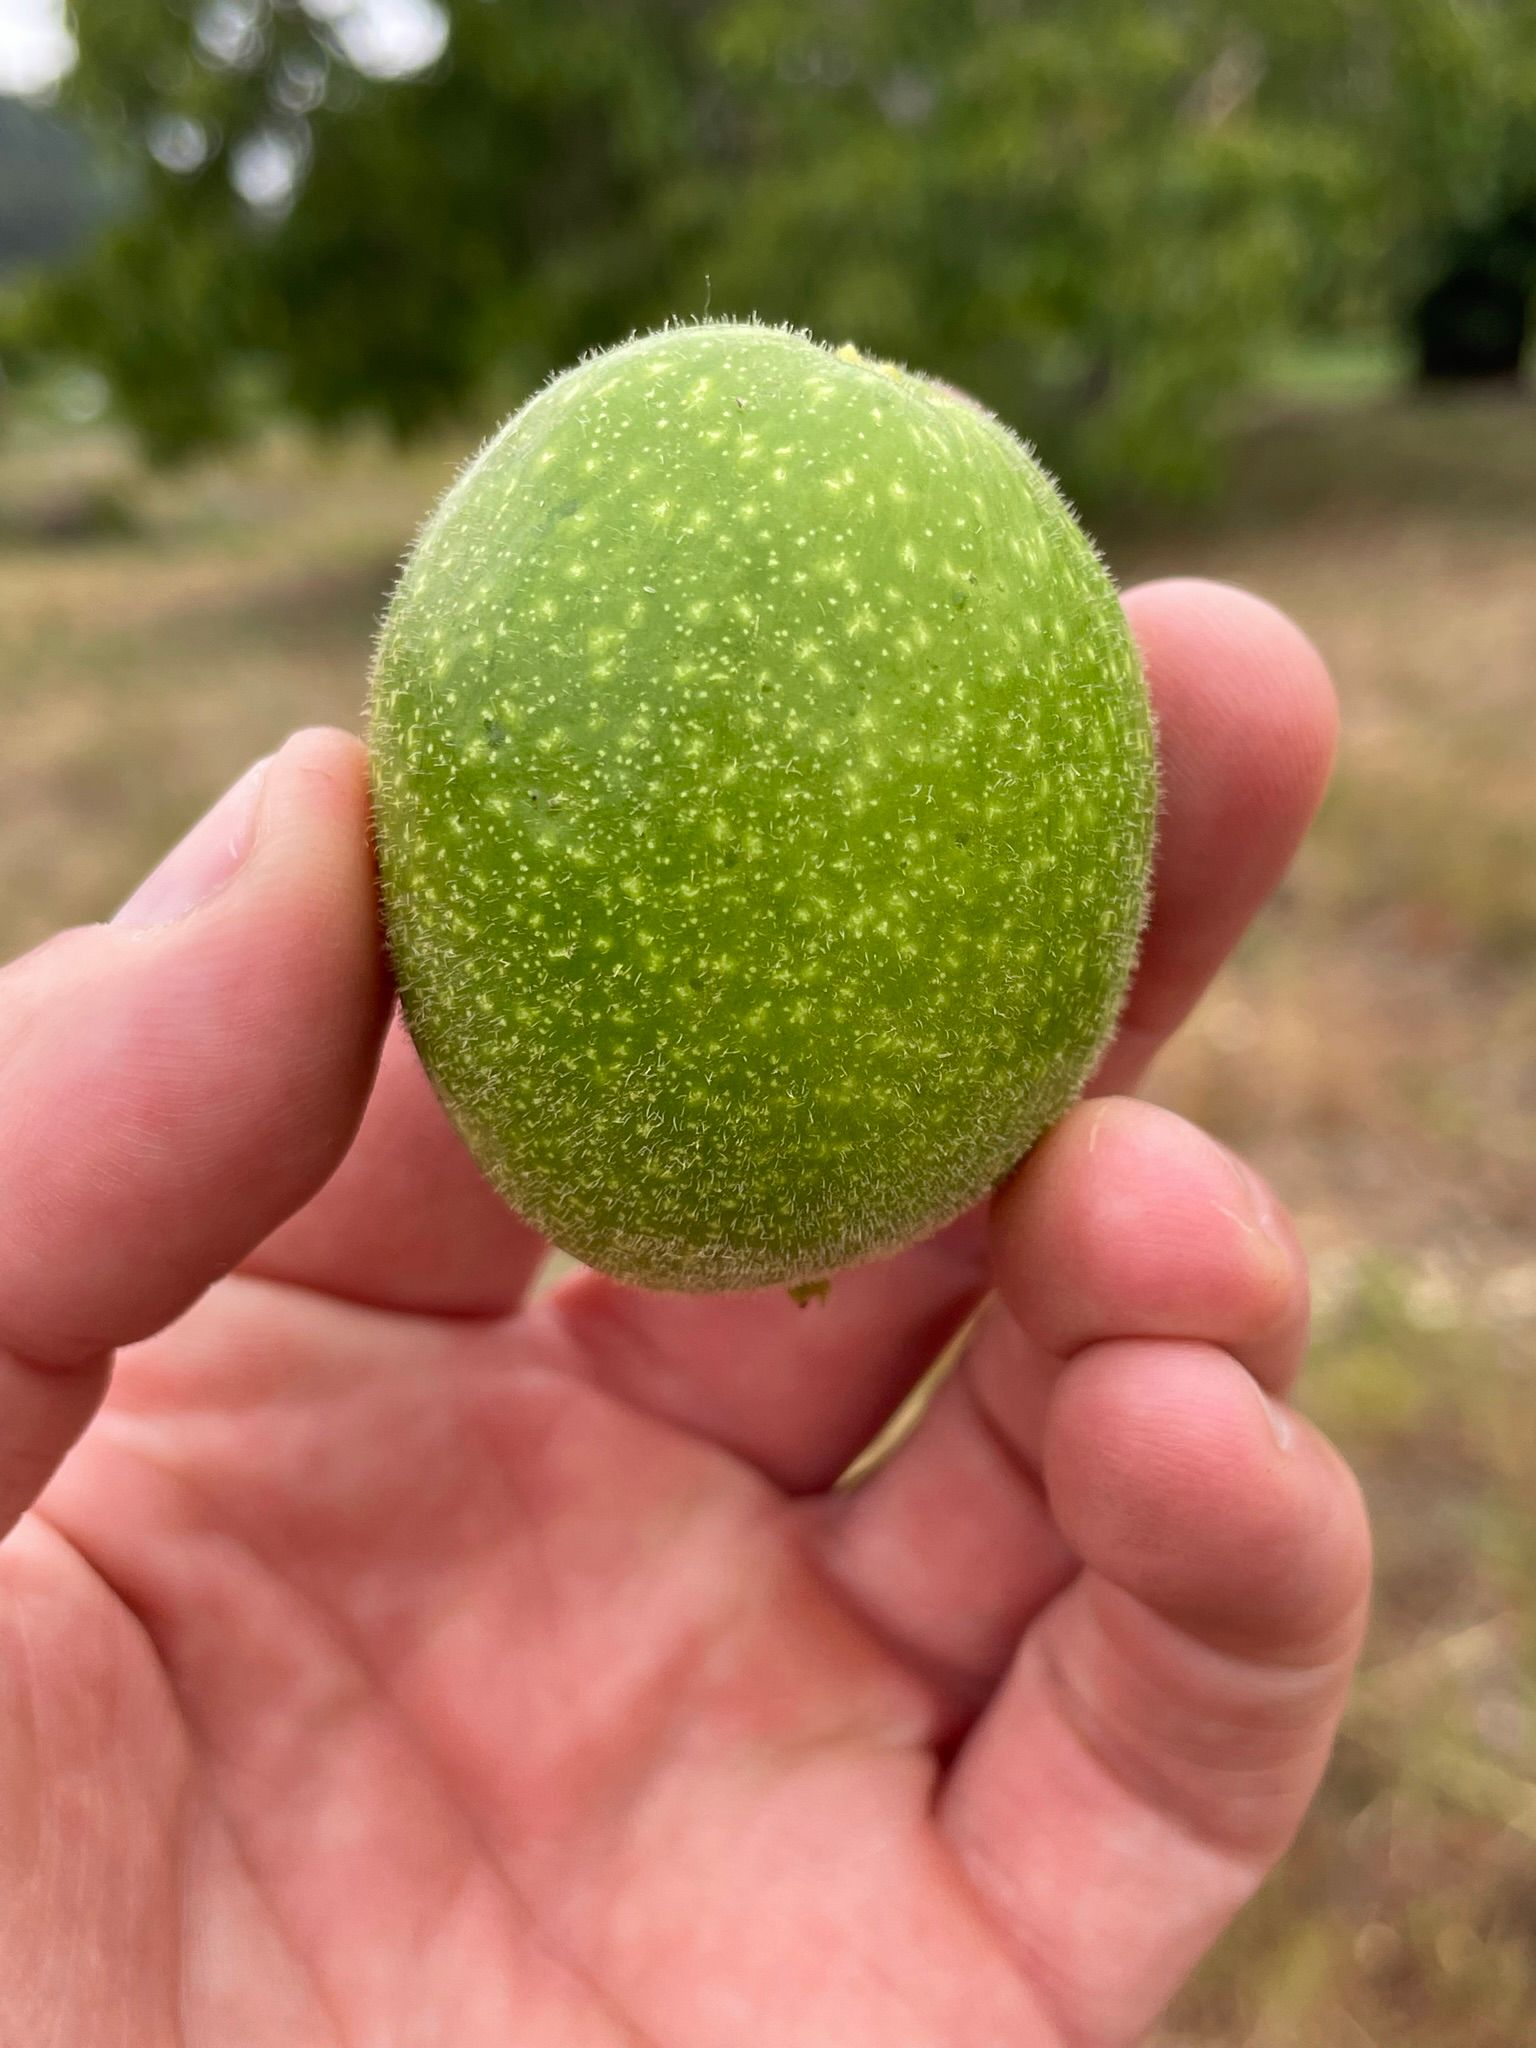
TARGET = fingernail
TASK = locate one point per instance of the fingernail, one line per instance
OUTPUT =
(1278, 1416)
(1263, 1203)
(205, 860)
(1256, 1209)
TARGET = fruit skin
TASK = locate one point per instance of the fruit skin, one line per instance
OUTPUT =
(764, 792)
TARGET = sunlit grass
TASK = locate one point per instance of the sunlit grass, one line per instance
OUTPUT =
(1336, 369)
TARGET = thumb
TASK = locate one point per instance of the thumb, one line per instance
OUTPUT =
(173, 1084)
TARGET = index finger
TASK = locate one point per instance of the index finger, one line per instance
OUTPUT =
(1247, 723)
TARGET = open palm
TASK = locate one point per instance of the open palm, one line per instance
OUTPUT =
(395, 1661)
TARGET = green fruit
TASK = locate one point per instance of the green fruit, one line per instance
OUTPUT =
(764, 792)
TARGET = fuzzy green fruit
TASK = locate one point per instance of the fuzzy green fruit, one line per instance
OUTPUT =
(764, 792)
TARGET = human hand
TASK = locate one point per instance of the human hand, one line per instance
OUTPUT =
(392, 1662)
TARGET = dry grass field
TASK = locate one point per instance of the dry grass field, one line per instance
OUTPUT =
(1373, 1047)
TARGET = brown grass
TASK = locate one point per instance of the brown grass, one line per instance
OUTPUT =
(1372, 1047)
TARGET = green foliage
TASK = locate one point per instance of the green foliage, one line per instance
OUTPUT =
(1460, 125)
(1067, 208)
(1099, 214)
(1081, 212)
(1440, 99)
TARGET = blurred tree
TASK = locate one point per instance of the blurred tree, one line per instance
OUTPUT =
(1439, 233)
(1095, 213)
(1081, 208)
(1086, 212)
(1467, 277)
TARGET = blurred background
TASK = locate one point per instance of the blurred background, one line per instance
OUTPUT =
(1259, 283)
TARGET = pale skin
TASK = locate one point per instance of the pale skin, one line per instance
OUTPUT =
(386, 1661)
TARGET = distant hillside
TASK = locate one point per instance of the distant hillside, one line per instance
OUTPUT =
(51, 192)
